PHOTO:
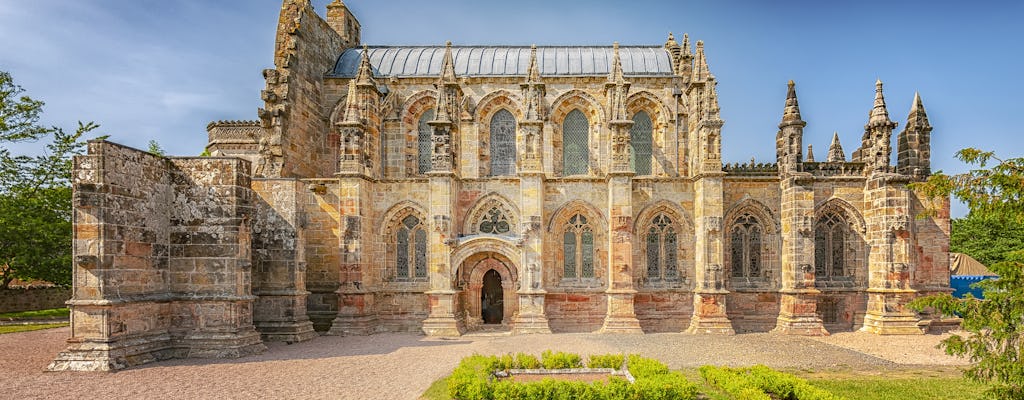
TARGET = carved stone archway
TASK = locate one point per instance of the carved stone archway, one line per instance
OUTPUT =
(472, 272)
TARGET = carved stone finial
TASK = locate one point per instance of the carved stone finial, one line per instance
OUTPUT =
(835, 150)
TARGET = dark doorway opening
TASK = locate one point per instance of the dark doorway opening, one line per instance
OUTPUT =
(491, 299)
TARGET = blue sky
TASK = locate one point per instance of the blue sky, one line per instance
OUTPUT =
(163, 69)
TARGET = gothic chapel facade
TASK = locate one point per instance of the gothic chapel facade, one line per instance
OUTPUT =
(447, 189)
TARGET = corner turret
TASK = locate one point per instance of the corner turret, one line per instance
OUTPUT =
(914, 142)
(344, 23)
(789, 139)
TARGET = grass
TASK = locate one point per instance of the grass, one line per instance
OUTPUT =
(900, 384)
(25, 328)
(52, 313)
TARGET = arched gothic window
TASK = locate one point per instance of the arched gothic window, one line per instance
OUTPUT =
(411, 251)
(503, 143)
(640, 144)
(575, 144)
(494, 222)
(830, 234)
(424, 142)
(578, 248)
(662, 250)
(745, 249)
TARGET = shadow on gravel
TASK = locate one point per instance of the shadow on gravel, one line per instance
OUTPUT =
(322, 347)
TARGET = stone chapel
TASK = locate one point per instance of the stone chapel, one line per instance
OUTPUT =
(456, 188)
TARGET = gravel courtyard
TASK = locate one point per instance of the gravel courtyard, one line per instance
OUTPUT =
(402, 366)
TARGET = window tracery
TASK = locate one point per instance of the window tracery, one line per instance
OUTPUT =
(746, 256)
(494, 222)
(830, 237)
(578, 248)
(662, 250)
(410, 249)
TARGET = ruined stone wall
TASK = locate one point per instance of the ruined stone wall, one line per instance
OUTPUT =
(930, 248)
(321, 249)
(31, 299)
(298, 144)
(161, 249)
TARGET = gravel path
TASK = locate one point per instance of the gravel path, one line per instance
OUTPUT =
(402, 366)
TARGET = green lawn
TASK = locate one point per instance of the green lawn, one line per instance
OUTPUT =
(915, 384)
(882, 388)
(25, 328)
(52, 313)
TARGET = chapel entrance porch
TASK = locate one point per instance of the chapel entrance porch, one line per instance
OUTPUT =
(488, 295)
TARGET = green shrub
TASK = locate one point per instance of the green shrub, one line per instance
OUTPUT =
(527, 361)
(759, 382)
(669, 386)
(605, 361)
(641, 367)
(560, 360)
(470, 379)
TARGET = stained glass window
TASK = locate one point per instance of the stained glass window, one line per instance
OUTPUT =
(575, 142)
(661, 249)
(641, 144)
(411, 249)
(424, 149)
(578, 248)
(745, 247)
(830, 246)
(503, 143)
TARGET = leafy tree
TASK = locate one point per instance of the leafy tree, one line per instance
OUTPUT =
(35, 191)
(985, 238)
(995, 326)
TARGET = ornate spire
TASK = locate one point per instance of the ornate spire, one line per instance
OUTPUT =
(810, 153)
(447, 88)
(700, 65)
(447, 65)
(686, 45)
(835, 150)
(615, 75)
(879, 114)
(364, 76)
(533, 72)
(913, 154)
(352, 113)
(712, 101)
(617, 88)
(792, 111)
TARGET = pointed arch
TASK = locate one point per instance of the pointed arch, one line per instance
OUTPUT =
(583, 128)
(413, 132)
(644, 100)
(497, 100)
(836, 204)
(665, 240)
(503, 222)
(565, 211)
(398, 211)
(758, 209)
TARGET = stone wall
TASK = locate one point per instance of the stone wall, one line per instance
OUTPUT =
(31, 299)
(161, 259)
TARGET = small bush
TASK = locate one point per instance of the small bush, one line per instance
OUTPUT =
(527, 361)
(560, 360)
(641, 367)
(762, 383)
(605, 361)
(669, 386)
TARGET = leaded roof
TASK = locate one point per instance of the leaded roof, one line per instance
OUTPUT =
(425, 61)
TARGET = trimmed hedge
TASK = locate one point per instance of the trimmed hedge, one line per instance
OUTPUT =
(762, 383)
(472, 379)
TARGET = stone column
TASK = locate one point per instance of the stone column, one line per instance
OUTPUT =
(709, 295)
(355, 303)
(621, 317)
(279, 270)
(442, 320)
(531, 317)
(889, 263)
(799, 298)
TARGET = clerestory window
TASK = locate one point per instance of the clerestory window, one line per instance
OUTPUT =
(641, 144)
(503, 143)
(575, 142)
(424, 141)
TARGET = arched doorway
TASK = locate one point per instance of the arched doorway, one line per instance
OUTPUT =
(488, 299)
(492, 302)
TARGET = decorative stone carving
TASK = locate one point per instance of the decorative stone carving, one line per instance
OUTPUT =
(712, 225)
